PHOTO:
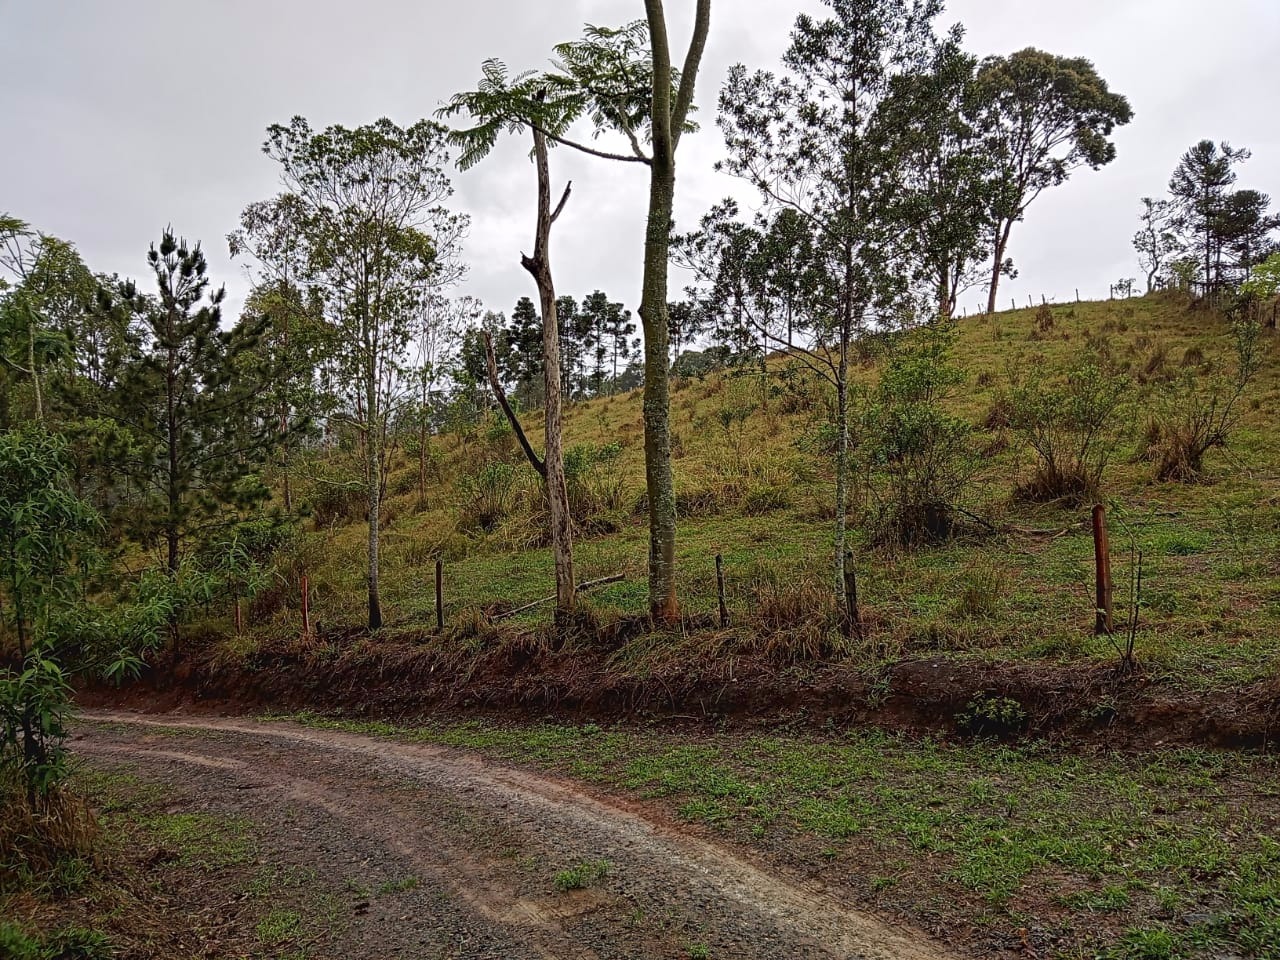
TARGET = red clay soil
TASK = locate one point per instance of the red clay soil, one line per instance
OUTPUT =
(398, 680)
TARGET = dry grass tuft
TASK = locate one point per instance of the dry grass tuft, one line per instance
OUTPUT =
(35, 839)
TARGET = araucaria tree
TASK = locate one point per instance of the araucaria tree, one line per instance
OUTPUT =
(1045, 117)
(1226, 231)
(195, 419)
(811, 140)
(375, 230)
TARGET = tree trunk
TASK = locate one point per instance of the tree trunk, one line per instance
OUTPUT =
(539, 266)
(31, 364)
(373, 471)
(842, 468)
(667, 122)
(659, 480)
(171, 426)
(1002, 244)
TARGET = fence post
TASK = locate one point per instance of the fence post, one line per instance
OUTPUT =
(306, 608)
(1014, 303)
(724, 607)
(852, 613)
(439, 593)
(1077, 294)
(1103, 620)
(239, 618)
(1030, 301)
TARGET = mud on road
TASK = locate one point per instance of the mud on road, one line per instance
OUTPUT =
(484, 843)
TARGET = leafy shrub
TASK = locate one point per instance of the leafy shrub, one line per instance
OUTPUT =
(1070, 425)
(1044, 318)
(918, 462)
(1196, 414)
(992, 716)
(35, 704)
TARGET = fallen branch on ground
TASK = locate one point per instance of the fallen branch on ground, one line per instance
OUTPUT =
(585, 585)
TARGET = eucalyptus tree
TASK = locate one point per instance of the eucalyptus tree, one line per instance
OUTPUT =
(375, 230)
(1045, 116)
(810, 140)
(45, 289)
(296, 341)
(668, 118)
(940, 186)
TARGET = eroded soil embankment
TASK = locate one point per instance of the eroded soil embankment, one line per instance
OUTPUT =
(1087, 703)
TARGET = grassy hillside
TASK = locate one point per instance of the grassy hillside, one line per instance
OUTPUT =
(751, 488)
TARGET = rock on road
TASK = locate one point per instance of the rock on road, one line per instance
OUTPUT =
(484, 839)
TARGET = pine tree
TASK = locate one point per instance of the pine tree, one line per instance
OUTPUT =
(197, 422)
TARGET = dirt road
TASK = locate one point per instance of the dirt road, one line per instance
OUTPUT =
(484, 844)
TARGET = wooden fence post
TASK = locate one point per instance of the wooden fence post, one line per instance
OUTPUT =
(1104, 622)
(852, 613)
(306, 608)
(239, 618)
(724, 607)
(439, 593)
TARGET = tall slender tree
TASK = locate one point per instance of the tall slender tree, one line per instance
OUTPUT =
(806, 139)
(668, 119)
(375, 231)
(1045, 116)
(1200, 186)
(196, 420)
(538, 105)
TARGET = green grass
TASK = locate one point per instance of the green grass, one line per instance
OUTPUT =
(278, 927)
(581, 875)
(1096, 843)
(207, 841)
(1212, 550)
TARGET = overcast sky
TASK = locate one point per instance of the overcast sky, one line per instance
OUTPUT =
(117, 118)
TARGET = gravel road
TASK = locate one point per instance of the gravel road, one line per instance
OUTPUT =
(484, 842)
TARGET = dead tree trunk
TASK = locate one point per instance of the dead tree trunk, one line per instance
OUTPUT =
(539, 267)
